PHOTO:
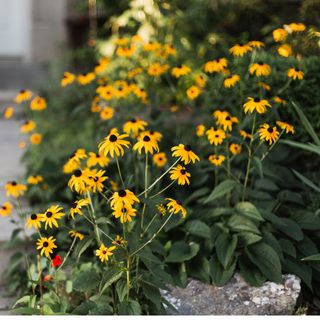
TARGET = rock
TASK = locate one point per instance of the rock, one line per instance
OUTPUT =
(235, 298)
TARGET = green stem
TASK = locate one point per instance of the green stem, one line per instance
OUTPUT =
(249, 157)
(67, 255)
(158, 179)
(128, 277)
(152, 238)
(93, 217)
(145, 188)
(119, 170)
(164, 189)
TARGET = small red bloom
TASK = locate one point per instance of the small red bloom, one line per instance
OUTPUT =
(56, 261)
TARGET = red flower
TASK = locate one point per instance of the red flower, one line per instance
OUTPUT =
(56, 261)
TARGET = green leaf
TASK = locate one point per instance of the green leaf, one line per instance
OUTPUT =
(306, 181)
(225, 247)
(220, 190)
(258, 165)
(290, 196)
(84, 308)
(86, 281)
(266, 259)
(147, 254)
(182, 251)
(152, 293)
(266, 184)
(109, 277)
(288, 247)
(248, 210)
(198, 268)
(197, 194)
(82, 246)
(121, 288)
(26, 311)
(250, 273)
(314, 257)
(199, 229)
(306, 123)
(22, 300)
(129, 308)
(219, 275)
(239, 224)
(309, 147)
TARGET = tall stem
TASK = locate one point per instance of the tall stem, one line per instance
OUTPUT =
(93, 217)
(68, 253)
(128, 277)
(162, 190)
(119, 170)
(249, 158)
(146, 192)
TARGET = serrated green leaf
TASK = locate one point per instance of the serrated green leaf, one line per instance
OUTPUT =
(109, 277)
(248, 210)
(225, 247)
(239, 224)
(218, 274)
(129, 308)
(198, 228)
(86, 281)
(220, 190)
(182, 251)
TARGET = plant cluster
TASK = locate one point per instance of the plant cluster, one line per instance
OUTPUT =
(245, 210)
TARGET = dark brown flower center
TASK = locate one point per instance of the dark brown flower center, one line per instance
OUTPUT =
(160, 159)
(228, 118)
(296, 69)
(256, 99)
(78, 173)
(113, 138)
(187, 147)
(4, 207)
(22, 91)
(13, 183)
(49, 214)
(146, 139)
(27, 122)
(270, 130)
(122, 193)
(260, 63)
(34, 216)
(104, 251)
(46, 244)
(74, 205)
(216, 136)
(183, 171)
(133, 120)
(179, 202)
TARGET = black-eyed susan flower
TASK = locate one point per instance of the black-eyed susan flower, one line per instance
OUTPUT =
(170, 49)
(216, 159)
(200, 80)
(126, 51)
(216, 136)
(180, 174)
(295, 73)
(6, 209)
(260, 69)
(36, 138)
(51, 216)
(279, 100)
(118, 240)
(34, 221)
(84, 79)
(35, 179)
(279, 35)
(245, 135)
(113, 144)
(123, 198)
(134, 72)
(76, 235)
(200, 130)
(285, 50)
(95, 105)
(97, 159)
(296, 27)
(231, 81)
(175, 206)
(239, 50)
(160, 159)
(46, 246)
(157, 69)
(15, 189)
(151, 46)
(23, 95)
(106, 92)
(28, 126)
(185, 153)
(67, 79)
(102, 65)
(193, 92)
(134, 126)
(217, 65)
(286, 126)
(8, 113)
(235, 148)
(121, 41)
(264, 86)
(180, 71)
(256, 104)
(256, 44)
(125, 213)
(73, 162)
(146, 142)
(106, 113)
(78, 206)
(224, 119)
(79, 181)
(268, 133)
(38, 104)
(97, 179)
(104, 253)
(154, 135)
